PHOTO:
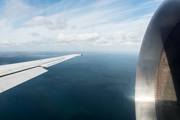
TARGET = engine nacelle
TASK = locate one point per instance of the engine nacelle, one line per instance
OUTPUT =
(157, 92)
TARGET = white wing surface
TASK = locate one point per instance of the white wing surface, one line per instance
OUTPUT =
(14, 74)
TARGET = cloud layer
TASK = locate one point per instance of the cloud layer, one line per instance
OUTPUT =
(16, 9)
(72, 25)
(58, 24)
(34, 34)
(93, 39)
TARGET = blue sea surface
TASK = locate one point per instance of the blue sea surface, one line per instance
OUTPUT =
(88, 87)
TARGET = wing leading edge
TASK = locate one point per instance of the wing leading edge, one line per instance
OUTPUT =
(14, 74)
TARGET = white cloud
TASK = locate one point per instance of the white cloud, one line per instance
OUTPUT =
(34, 34)
(43, 42)
(148, 15)
(73, 27)
(16, 8)
(121, 38)
(5, 43)
(2, 22)
(88, 37)
(94, 39)
(42, 21)
(103, 23)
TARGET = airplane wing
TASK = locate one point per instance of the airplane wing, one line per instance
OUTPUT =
(12, 75)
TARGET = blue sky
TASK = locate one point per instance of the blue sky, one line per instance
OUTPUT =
(74, 25)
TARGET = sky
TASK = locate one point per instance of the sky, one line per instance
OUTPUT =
(74, 25)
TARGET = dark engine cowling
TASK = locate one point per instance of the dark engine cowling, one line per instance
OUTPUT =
(157, 88)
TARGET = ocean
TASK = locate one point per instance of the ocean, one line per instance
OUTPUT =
(95, 86)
